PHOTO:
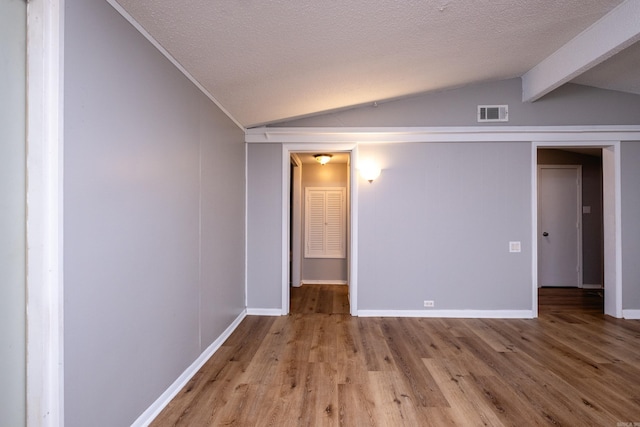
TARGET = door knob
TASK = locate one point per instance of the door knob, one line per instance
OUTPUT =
(545, 234)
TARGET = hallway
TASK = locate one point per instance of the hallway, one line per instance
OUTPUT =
(570, 300)
(320, 299)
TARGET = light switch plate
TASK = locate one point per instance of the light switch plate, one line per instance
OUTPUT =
(515, 247)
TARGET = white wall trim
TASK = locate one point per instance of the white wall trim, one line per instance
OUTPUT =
(534, 230)
(156, 407)
(459, 314)
(45, 356)
(246, 225)
(387, 135)
(171, 59)
(310, 139)
(352, 245)
(631, 314)
(613, 255)
(591, 286)
(296, 222)
(284, 244)
(611, 214)
(324, 282)
(618, 231)
(264, 312)
(287, 149)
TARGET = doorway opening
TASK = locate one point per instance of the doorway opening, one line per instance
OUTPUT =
(319, 227)
(570, 229)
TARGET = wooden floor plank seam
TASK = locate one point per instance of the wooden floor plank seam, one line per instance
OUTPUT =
(321, 367)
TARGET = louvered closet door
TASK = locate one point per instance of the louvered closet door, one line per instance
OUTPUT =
(325, 234)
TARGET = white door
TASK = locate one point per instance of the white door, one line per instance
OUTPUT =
(559, 224)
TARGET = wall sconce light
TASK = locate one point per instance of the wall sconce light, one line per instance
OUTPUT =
(369, 171)
(323, 159)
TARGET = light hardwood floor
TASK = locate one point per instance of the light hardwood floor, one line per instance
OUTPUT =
(572, 367)
(320, 299)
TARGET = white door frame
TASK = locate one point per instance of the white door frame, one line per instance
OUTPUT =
(45, 361)
(612, 220)
(578, 169)
(296, 223)
(352, 238)
(612, 217)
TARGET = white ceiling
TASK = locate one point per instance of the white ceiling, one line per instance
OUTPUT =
(268, 61)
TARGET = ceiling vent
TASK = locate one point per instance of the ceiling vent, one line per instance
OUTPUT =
(493, 113)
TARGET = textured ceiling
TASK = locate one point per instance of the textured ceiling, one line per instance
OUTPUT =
(622, 72)
(267, 61)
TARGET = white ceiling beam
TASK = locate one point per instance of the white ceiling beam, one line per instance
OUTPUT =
(614, 32)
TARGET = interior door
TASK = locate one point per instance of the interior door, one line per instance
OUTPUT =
(559, 224)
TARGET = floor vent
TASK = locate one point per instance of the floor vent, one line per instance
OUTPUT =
(493, 113)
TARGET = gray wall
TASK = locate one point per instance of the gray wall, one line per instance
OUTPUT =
(436, 226)
(154, 219)
(12, 212)
(630, 182)
(264, 226)
(569, 105)
(592, 225)
(222, 222)
(437, 223)
(329, 175)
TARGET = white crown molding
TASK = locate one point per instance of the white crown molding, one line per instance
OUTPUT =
(586, 134)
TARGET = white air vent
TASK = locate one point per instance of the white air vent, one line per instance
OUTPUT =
(493, 113)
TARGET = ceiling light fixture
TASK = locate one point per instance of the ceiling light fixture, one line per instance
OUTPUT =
(323, 159)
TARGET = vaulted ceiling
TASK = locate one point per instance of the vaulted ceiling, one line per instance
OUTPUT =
(267, 61)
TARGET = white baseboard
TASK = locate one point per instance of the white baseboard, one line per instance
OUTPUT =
(631, 314)
(587, 286)
(461, 314)
(324, 282)
(156, 407)
(264, 312)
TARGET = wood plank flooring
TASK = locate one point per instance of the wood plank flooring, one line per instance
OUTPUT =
(555, 300)
(572, 367)
(320, 299)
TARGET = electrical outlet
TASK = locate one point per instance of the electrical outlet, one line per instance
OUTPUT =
(429, 303)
